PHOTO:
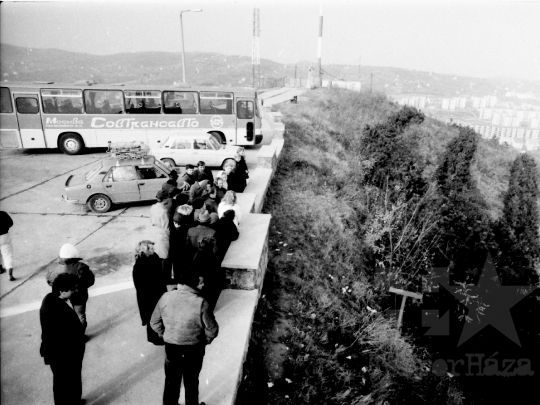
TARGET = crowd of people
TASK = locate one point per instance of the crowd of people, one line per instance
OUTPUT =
(177, 276)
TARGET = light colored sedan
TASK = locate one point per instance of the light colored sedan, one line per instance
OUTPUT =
(183, 149)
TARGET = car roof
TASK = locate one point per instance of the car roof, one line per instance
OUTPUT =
(190, 135)
(123, 161)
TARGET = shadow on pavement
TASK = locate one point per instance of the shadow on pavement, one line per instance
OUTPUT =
(122, 383)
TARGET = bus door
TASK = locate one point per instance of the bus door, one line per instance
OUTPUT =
(29, 118)
(9, 127)
(245, 117)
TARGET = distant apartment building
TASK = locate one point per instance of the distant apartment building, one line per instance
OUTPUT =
(486, 113)
(491, 131)
(524, 96)
(445, 105)
(496, 118)
(534, 123)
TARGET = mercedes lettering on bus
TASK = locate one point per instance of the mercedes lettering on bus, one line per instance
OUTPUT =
(72, 117)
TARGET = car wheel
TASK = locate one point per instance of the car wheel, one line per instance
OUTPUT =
(99, 203)
(71, 144)
(169, 162)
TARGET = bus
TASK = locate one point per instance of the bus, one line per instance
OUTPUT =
(71, 116)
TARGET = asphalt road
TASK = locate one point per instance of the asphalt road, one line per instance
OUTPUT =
(120, 366)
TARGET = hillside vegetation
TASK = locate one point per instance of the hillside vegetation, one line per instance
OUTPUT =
(370, 195)
(215, 69)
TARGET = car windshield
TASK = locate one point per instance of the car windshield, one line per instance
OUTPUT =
(214, 144)
(93, 172)
(162, 167)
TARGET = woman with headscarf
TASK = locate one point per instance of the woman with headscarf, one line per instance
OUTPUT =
(150, 282)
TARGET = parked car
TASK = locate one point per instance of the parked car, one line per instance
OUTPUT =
(183, 149)
(117, 180)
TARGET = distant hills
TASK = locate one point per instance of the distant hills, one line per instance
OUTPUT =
(214, 69)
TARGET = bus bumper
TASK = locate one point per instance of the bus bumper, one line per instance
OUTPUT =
(258, 139)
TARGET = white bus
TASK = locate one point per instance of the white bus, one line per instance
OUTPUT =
(72, 117)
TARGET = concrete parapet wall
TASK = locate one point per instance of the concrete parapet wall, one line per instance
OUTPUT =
(278, 143)
(246, 260)
(266, 158)
(246, 201)
(279, 130)
(259, 181)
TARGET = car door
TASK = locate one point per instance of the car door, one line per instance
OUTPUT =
(121, 184)
(203, 151)
(181, 151)
(150, 181)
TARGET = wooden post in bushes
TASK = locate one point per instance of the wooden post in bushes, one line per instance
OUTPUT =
(405, 294)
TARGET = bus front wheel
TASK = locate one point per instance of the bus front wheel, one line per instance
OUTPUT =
(99, 203)
(71, 144)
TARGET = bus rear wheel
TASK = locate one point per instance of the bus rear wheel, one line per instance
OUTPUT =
(71, 144)
(99, 203)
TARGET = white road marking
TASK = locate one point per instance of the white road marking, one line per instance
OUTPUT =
(33, 306)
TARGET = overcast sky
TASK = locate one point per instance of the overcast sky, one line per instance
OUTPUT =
(474, 38)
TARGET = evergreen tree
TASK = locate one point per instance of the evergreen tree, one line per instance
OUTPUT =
(463, 221)
(454, 172)
(517, 230)
(396, 161)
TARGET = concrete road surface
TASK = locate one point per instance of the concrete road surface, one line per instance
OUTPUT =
(120, 367)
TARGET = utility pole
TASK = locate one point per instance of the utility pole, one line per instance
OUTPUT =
(319, 47)
(359, 67)
(255, 54)
(198, 10)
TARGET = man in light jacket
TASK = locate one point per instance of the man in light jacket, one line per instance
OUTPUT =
(184, 320)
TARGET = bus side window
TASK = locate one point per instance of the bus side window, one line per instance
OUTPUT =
(5, 101)
(27, 105)
(49, 106)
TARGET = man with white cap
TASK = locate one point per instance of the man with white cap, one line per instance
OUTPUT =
(70, 262)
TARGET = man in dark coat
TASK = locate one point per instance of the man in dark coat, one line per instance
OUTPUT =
(70, 262)
(203, 173)
(150, 280)
(185, 322)
(188, 176)
(195, 234)
(62, 340)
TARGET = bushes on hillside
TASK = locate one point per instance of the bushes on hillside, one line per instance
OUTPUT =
(347, 222)
(396, 163)
(517, 230)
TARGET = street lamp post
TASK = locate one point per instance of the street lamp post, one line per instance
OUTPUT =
(197, 10)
